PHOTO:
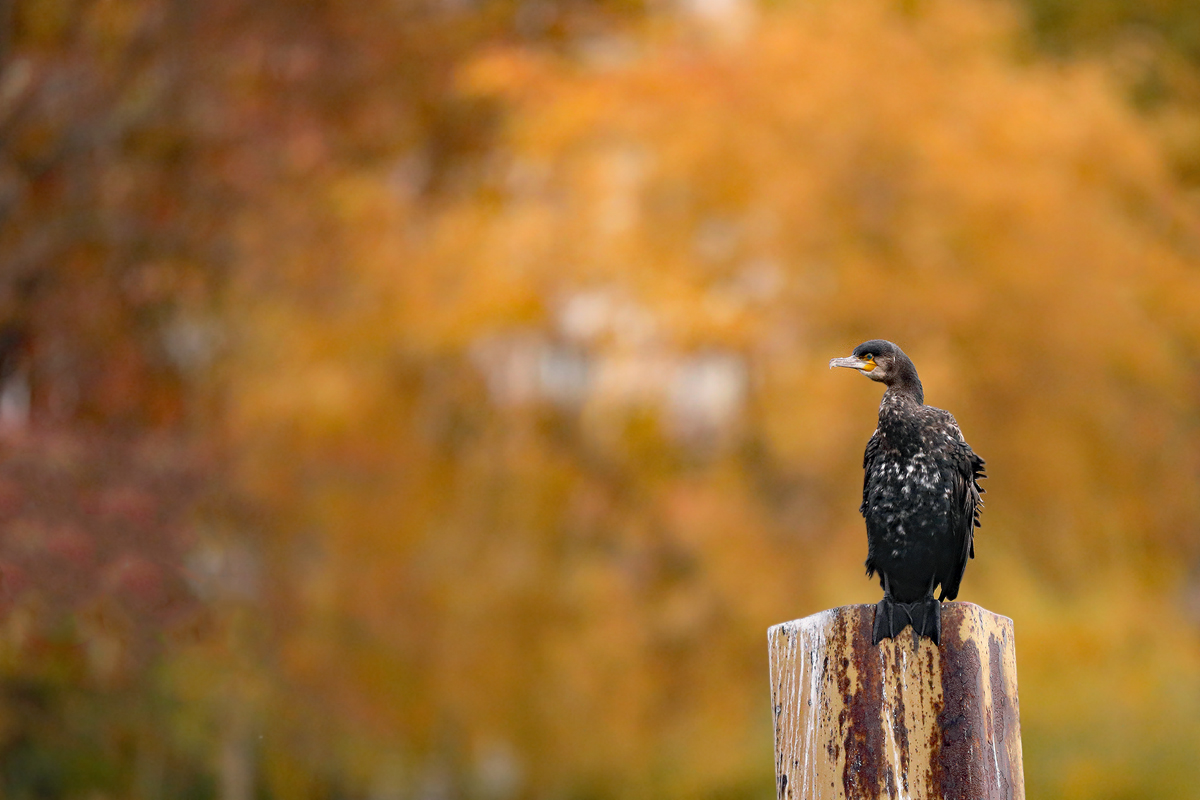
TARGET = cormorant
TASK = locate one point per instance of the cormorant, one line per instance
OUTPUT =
(920, 496)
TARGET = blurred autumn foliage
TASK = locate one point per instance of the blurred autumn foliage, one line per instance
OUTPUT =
(428, 400)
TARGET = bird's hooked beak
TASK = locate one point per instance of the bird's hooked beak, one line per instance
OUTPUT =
(850, 362)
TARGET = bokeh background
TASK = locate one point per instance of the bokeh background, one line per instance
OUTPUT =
(427, 399)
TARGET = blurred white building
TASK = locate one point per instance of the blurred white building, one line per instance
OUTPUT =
(605, 353)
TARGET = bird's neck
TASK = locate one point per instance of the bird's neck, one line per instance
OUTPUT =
(906, 389)
(897, 413)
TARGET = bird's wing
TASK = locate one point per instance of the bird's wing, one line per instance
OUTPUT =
(869, 458)
(973, 466)
(872, 453)
(966, 470)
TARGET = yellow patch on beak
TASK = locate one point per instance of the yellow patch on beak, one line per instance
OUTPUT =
(850, 362)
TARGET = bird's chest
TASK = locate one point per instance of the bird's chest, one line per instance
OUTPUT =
(897, 475)
(906, 480)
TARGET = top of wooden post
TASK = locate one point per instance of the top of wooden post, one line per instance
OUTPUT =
(902, 719)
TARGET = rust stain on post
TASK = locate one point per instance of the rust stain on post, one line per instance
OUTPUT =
(854, 720)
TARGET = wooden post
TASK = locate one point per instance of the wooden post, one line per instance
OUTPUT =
(856, 721)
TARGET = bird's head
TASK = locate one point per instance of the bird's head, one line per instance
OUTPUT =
(882, 361)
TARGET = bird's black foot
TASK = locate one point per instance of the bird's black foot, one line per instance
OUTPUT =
(925, 617)
(885, 620)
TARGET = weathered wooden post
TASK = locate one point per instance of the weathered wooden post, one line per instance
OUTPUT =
(854, 720)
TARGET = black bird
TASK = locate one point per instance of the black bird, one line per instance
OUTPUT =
(921, 496)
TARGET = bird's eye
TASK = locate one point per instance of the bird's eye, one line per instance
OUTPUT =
(868, 357)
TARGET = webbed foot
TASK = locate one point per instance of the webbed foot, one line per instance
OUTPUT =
(925, 617)
(885, 620)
